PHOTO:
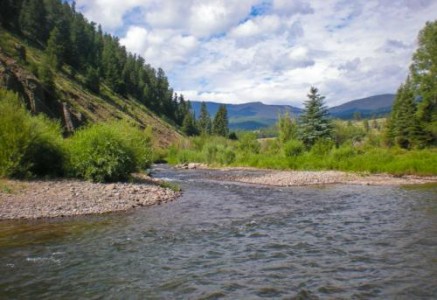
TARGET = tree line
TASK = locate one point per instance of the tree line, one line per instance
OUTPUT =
(413, 121)
(69, 39)
(205, 125)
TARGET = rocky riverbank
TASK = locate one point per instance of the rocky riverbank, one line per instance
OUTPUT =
(62, 198)
(302, 178)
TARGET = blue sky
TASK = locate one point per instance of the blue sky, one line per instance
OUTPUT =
(238, 51)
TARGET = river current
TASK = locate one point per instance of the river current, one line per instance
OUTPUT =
(223, 240)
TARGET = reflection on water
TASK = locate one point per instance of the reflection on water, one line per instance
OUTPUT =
(233, 241)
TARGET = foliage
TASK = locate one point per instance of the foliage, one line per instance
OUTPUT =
(69, 39)
(92, 80)
(220, 124)
(314, 123)
(138, 140)
(204, 122)
(404, 128)
(248, 143)
(423, 72)
(287, 128)
(189, 125)
(293, 148)
(108, 152)
(29, 145)
(55, 49)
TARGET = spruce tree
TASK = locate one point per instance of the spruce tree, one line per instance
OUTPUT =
(314, 123)
(55, 49)
(404, 128)
(204, 122)
(189, 125)
(423, 74)
(220, 124)
(32, 19)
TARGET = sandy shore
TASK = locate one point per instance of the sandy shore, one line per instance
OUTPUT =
(61, 198)
(302, 178)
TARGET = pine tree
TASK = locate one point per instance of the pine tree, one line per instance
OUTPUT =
(55, 49)
(220, 124)
(189, 125)
(423, 74)
(32, 19)
(92, 80)
(204, 122)
(404, 128)
(314, 123)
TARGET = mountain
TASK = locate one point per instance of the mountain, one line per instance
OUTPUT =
(256, 115)
(249, 116)
(378, 105)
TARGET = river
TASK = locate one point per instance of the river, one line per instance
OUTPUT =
(233, 241)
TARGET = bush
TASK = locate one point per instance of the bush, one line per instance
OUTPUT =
(225, 155)
(139, 141)
(248, 143)
(29, 145)
(322, 147)
(293, 148)
(210, 151)
(99, 154)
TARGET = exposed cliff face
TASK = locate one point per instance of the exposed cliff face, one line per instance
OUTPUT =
(37, 99)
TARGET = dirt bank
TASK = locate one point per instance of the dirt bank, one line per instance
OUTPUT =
(40, 199)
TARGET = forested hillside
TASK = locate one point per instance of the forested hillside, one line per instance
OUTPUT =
(60, 62)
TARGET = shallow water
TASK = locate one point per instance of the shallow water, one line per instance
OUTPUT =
(233, 241)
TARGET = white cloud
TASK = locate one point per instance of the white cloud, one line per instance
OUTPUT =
(218, 50)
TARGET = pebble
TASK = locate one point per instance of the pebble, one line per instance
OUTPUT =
(43, 199)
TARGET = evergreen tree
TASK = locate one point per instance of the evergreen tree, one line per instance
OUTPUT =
(404, 128)
(423, 74)
(220, 124)
(314, 123)
(55, 49)
(189, 125)
(204, 122)
(92, 80)
(32, 19)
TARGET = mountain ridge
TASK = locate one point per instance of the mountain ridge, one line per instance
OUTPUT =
(257, 115)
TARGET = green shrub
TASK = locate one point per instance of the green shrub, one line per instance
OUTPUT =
(248, 143)
(210, 152)
(322, 147)
(225, 155)
(29, 146)
(99, 154)
(139, 141)
(293, 148)
(46, 154)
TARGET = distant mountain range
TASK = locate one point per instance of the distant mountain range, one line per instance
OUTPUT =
(256, 115)
(249, 116)
(379, 105)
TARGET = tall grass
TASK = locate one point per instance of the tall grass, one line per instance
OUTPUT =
(324, 155)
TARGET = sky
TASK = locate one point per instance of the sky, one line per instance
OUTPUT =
(273, 51)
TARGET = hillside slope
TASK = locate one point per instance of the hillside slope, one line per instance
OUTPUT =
(71, 103)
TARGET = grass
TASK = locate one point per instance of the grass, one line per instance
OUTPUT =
(365, 158)
(169, 185)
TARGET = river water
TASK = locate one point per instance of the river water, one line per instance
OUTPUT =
(233, 241)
